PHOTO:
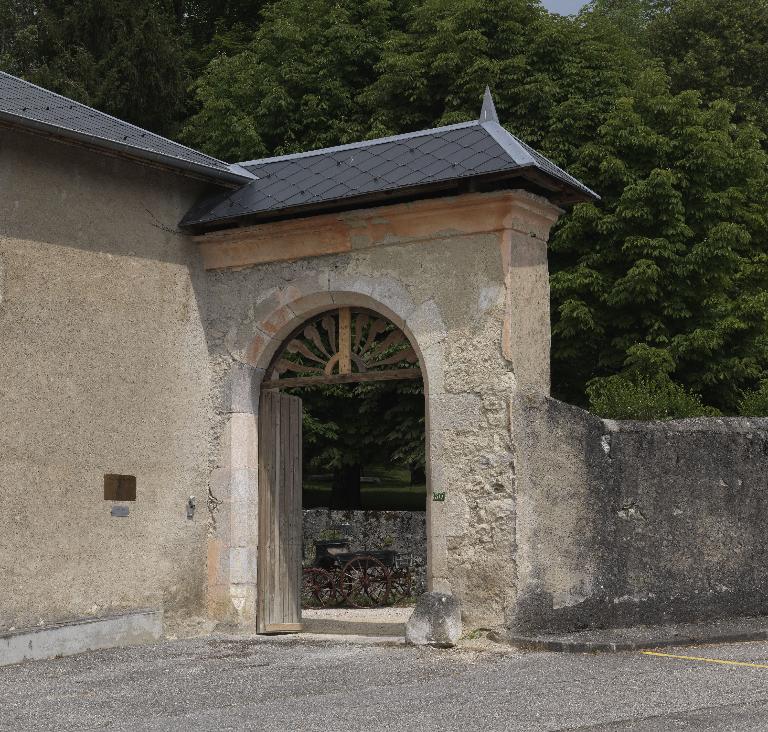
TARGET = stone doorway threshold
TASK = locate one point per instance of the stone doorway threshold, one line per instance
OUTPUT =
(380, 622)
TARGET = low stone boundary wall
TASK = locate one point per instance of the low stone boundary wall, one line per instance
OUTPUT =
(402, 531)
(77, 636)
(622, 523)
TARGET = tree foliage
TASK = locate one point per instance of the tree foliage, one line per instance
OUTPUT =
(645, 390)
(638, 397)
(718, 47)
(674, 257)
(348, 427)
(296, 83)
(754, 402)
(659, 105)
(124, 57)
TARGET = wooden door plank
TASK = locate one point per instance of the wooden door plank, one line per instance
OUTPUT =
(284, 510)
(276, 555)
(296, 532)
(269, 490)
(285, 516)
(287, 522)
(266, 454)
(280, 519)
(345, 341)
(273, 549)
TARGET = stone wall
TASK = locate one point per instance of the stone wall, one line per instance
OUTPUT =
(121, 355)
(466, 280)
(621, 523)
(402, 531)
(103, 369)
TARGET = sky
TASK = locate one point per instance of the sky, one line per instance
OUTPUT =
(565, 7)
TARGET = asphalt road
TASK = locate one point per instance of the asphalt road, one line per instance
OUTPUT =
(290, 684)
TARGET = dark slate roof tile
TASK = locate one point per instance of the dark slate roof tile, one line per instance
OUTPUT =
(394, 152)
(433, 145)
(435, 168)
(388, 166)
(338, 175)
(325, 167)
(411, 179)
(361, 180)
(337, 191)
(322, 188)
(31, 106)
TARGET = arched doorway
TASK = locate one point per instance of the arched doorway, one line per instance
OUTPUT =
(343, 345)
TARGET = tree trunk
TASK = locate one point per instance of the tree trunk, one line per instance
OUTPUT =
(345, 494)
(418, 476)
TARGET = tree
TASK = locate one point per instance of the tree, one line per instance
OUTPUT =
(217, 27)
(19, 36)
(204, 18)
(674, 257)
(434, 70)
(754, 402)
(399, 421)
(348, 427)
(124, 57)
(659, 105)
(317, 74)
(296, 84)
(719, 48)
(554, 79)
(645, 390)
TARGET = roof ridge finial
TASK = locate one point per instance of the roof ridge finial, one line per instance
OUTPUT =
(488, 112)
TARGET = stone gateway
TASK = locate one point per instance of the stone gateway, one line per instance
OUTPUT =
(146, 293)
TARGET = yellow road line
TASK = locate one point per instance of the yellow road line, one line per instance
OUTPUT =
(706, 660)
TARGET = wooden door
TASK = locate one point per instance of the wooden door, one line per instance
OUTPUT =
(280, 517)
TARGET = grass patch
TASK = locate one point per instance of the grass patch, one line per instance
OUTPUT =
(393, 492)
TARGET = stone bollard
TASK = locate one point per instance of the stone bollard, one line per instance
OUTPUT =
(436, 621)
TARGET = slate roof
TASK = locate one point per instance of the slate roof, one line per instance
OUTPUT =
(28, 105)
(338, 175)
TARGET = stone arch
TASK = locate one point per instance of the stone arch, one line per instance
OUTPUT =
(277, 314)
(232, 574)
(343, 345)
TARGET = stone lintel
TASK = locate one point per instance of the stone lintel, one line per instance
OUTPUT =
(437, 218)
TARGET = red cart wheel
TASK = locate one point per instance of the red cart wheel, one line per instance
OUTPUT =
(318, 588)
(402, 584)
(365, 582)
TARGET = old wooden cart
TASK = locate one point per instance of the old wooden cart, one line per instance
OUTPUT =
(339, 576)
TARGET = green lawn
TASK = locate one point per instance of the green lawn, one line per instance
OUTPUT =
(393, 493)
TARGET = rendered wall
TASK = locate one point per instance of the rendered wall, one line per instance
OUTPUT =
(112, 337)
(621, 523)
(103, 369)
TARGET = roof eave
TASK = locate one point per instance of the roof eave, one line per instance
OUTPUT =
(566, 191)
(230, 178)
(562, 193)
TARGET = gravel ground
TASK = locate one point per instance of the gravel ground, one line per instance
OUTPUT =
(292, 683)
